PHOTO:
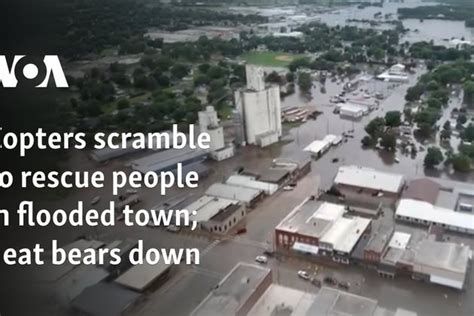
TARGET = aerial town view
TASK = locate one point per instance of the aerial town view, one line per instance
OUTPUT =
(338, 179)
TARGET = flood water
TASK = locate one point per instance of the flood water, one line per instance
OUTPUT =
(436, 30)
(351, 152)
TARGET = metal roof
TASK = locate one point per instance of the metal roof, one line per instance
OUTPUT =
(140, 276)
(104, 299)
(248, 182)
(233, 291)
(207, 207)
(424, 211)
(369, 178)
(334, 302)
(227, 191)
(345, 232)
(167, 159)
(380, 238)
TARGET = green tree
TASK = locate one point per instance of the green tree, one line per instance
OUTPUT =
(468, 134)
(290, 76)
(414, 93)
(469, 93)
(299, 63)
(393, 118)
(367, 141)
(389, 141)
(376, 127)
(462, 119)
(178, 71)
(433, 157)
(304, 82)
(461, 163)
(123, 104)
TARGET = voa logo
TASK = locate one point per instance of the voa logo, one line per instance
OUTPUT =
(31, 72)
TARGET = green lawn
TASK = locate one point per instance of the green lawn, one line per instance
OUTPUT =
(270, 59)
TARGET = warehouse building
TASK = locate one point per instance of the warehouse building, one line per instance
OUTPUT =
(319, 147)
(368, 185)
(278, 176)
(442, 263)
(424, 213)
(250, 182)
(281, 300)
(167, 160)
(425, 258)
(226, 219)
(216, 214)
(142, 276)
(237, 293)
(105, 299)
(247, 196)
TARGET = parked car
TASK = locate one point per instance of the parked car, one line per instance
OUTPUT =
(316, 282)
(269, 252)
(344, 285)
(303, 274)
(288, 188)
(330, 280)
(173, 228)
(261, 259)
(95, 200)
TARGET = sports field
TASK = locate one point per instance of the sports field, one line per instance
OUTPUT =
(270, 59)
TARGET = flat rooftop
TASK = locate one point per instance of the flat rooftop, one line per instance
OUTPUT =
(167, 159)
(233, 291)
(246, 195)
(330, 301)
(104, 299)
(249, 182)
(297, 220)
(444, 255)
(369, 178)
(141, 276)
(207, 207)
(274, 175)
(345, 233)
(424, 211)
(279, 300)
(380, 238)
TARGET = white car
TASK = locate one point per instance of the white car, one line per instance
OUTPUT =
(303, 274)
(288, 188)
(261, 259)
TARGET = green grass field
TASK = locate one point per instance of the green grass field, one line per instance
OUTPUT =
(270, 59)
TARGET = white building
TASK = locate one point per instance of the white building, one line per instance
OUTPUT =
(351, 110)
(259, 108)
(368, 185)
(215, 214)
(209, 122)
(208, 118)
(250, 182)
(425, 213)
